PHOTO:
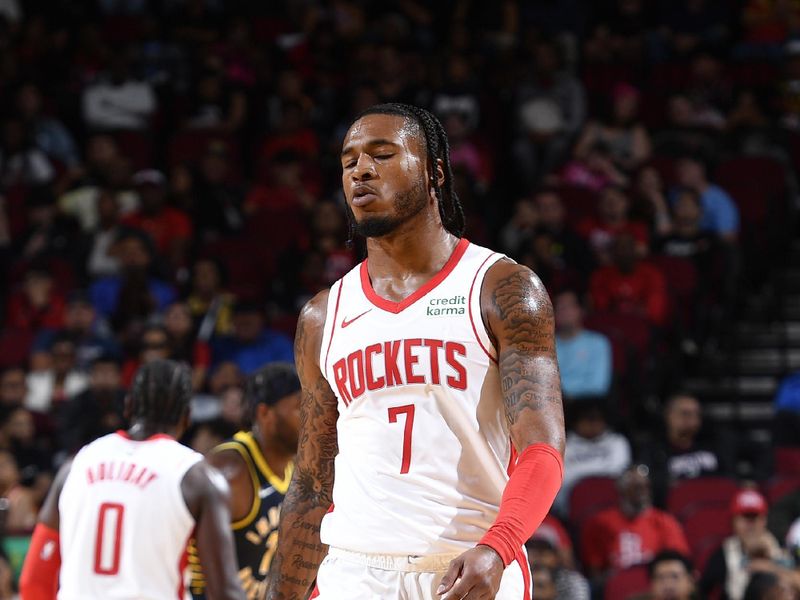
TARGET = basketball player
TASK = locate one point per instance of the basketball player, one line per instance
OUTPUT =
(429, 374)
(258, 467)
(118, 517)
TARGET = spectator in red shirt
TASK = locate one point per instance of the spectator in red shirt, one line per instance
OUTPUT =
(611, 221)
(169, 228)
(36, 305)
(631, 533)
(629, 285)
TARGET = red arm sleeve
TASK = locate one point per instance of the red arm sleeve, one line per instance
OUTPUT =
(39, 578)
(528, 496)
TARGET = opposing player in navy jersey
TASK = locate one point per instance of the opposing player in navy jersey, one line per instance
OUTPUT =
(258, 466)
(432, 428)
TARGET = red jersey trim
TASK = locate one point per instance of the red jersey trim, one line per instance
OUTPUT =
(469, 310)
(333, 325)
(155, 436)
(396, 307)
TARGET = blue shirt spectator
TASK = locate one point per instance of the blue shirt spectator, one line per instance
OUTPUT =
(720, 213)
(584, 357)
(252, 345)
(105, 294)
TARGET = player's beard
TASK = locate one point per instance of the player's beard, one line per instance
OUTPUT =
(407, 205)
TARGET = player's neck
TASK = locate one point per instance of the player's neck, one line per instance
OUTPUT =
(421, 246)
(274, 453)
(141, 430)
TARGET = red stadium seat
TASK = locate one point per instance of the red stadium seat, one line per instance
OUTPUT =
(627, 583)
(15, 344)
(681, 277)
(590, 496)
(705, 529)
(787, 461)
(691, 495)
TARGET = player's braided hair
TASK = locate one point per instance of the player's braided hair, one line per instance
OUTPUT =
(437, 147)
(161, 392)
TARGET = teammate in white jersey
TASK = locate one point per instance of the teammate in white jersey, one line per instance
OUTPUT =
(432, 427)
(118, 518)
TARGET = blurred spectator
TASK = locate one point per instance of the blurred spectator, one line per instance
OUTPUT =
(92, 337)
(6, 579)
(790, 87)
(292, 134)
(96, 411)
(551, 110)
(210, 306)
(184, 344)
(31, 452)
(720, 215)
(625, 138)
(769, 22)
(169, 228)
(49, 133)
(632, 533)
(204, 436)
(552, 531)
(650, 190)
(765, 585)
(251, 345)
(134, 294)
(218, 202)
(37, 304)
(519, 229)
(459, 94)
(543, 254)
(584, 357)
(49, 233)
(569, 584)
(629, 286)
(13, 387)
(102, 260)
(543, 580)
(153, 344)
(60, 381)
(691, 25)
(592, 450)
(21, 516)
(465, 153)
(613, 211)
(682, 452)
(116, 99)
(570, 248)
(687, 238)
(671, 577)
(729, 568)
(594, 171)
(21, 162)
(286, 188)
(618, 33)
(217, 103)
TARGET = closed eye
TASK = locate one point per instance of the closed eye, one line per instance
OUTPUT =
(384, 156)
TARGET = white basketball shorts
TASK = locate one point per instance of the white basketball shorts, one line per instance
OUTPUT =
(346, 575)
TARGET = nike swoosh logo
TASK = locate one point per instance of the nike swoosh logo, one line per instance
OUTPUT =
(345, 322)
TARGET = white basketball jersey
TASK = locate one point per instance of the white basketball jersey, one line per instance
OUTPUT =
(124, 525)
(424, 448)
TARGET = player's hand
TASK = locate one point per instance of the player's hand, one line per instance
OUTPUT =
(475, 575)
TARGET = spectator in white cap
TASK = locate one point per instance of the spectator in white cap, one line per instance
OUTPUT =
(751, 548)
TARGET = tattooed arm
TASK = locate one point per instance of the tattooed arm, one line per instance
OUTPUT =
(309, 496)
(519, 317)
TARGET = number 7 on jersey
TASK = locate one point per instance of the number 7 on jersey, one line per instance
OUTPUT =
(408, 411)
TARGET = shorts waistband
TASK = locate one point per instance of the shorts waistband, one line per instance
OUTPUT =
(433, 563)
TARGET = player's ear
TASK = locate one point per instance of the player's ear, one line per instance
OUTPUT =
(439, 172)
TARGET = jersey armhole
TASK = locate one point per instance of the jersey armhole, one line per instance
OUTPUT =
(251, 469)
(474, 306)
(329, 328)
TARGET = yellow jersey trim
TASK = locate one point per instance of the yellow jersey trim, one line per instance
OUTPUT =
(280, 485)
(256, 505)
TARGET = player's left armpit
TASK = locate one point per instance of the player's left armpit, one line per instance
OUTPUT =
(528, 496)
(39, 578)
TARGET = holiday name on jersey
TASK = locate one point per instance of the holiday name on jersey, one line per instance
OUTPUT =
(397, 362)
(123, 472)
